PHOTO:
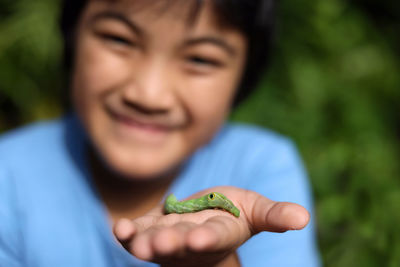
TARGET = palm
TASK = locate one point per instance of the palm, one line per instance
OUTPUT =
(208, 236)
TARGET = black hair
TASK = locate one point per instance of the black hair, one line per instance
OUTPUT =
(254, 18)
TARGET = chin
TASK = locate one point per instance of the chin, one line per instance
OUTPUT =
(141, 168)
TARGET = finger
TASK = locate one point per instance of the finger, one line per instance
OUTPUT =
(124, 229)
(171, 240)
(141, 245)
(216, 234)
(268, 215)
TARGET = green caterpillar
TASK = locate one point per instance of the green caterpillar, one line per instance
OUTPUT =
(209, 201)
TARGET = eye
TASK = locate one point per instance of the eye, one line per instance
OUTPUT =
(116, 39)
(211, 196)
(203, 61)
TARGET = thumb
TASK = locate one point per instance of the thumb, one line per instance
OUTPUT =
(272, 216)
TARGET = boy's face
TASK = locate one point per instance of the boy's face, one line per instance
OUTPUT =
(149, 87)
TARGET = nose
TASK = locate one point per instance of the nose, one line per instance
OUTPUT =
(150, 89)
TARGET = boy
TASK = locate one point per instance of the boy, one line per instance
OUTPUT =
(152, 83)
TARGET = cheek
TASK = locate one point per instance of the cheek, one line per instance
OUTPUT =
(94, 77)
(96, 69)
(209, 104)
(211, 98)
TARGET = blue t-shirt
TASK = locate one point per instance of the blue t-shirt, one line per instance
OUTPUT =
(51, 214)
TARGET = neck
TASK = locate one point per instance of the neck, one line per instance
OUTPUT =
(125, 197)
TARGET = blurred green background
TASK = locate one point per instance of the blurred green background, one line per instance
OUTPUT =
(334, 87)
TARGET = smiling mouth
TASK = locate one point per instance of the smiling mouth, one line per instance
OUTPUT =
(136, 128)
(151, 127)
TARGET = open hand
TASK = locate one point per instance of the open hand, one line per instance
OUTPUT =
(209, 236)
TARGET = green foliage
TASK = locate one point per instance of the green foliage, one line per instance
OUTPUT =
(333, 87)
(30, 69)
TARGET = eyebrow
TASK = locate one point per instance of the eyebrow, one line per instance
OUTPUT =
(213, 40)
(194, 41)
(118, 16)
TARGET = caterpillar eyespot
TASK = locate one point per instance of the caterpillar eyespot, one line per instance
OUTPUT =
(212, 200)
